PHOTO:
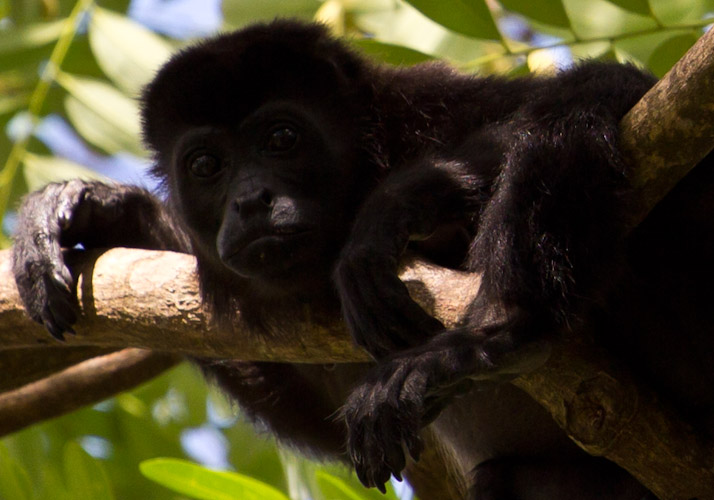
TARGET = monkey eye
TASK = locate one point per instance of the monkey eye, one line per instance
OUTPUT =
(204, 165)
(281, 139)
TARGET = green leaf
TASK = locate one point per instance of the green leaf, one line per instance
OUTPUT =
(549, 12)
(669, 52)
(41, 170)
(392, 54)
(198, 482)
(335, 488)
(127, 52)
(242, 12)
(15, 483)
(519, 71)
(84, 475)
(102, 115)
(468, 17)
(27, 37)
(11, 103)
(609, 55)
(636, 6)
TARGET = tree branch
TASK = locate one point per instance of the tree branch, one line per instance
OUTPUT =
(67, 390)
(22, 366)
(149, 299)
(670, 130)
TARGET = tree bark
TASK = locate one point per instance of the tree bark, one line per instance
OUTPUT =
(149, 299)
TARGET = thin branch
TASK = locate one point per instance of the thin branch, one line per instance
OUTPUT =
(571, 42)
(22, 366)
(85, 383)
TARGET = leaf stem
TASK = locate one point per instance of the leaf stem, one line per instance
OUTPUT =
(8, 174)
(479, 61)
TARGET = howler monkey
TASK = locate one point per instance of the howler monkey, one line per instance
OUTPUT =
(298, 172)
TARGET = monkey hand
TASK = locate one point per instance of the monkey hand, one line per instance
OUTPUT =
(64, 215)
(44, 282)
(407, 391)
(385, 414)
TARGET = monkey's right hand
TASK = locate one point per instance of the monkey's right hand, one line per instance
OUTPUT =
(64, 215)
(49, 220)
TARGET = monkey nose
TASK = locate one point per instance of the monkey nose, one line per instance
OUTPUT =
(254, 201)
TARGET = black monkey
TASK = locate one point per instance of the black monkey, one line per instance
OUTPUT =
(297, 172)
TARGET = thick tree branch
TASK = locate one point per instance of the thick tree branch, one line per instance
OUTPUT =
(149, 299)
(670, 130)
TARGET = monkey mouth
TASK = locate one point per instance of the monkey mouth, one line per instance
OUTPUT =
(275, 254)
(283, 243)
(286, 236)
(290, 230)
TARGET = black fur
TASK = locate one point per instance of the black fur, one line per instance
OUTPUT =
(298, 173)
